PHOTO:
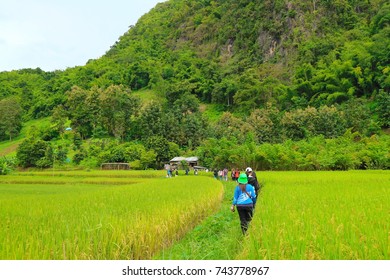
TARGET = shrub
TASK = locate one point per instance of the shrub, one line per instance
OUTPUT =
(7, 165)
(31, 151)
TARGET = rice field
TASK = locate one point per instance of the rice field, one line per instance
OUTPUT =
(321, 215)
(107, 215)
(99, 215)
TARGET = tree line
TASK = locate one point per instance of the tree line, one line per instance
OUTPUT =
(111, 125)
(350, 151)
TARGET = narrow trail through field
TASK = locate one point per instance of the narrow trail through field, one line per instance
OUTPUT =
(218, 237)
(10, 149)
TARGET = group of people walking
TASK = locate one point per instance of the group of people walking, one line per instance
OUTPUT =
(221, 174)
(245, 193)
(245, 196)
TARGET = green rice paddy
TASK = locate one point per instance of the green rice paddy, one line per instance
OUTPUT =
(322, 215)
(83, 216)
(143, 215)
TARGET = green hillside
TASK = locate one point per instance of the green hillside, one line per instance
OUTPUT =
(29, 129)
(191, 75)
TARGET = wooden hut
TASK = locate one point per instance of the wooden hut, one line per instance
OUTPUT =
(115, 166)
(192, 161)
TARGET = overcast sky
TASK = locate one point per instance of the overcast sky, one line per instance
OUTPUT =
(56, 34)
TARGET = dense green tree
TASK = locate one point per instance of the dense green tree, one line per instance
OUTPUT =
(10, 118)
(81, 114)
(299, 124)
(148, 159)
(194, 127)
(224, 91)
(231, 127)
(161, 148)
(249, 95)
(356, 114)
(151, 121)
(303, 84)
(329, 122)
(173, 131)
(186, 104)
(138, 76)
(382, 19)
(59, 118)
(266, 124)
(98, 110)
(117, 106)
(32, 152)
(218, 153)
(383, 108)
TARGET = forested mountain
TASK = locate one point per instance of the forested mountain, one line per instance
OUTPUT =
(191, 71)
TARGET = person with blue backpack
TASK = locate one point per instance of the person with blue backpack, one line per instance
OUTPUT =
(244, 199)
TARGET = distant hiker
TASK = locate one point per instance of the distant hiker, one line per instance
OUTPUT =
(220, 174)
(225, 174)
(248, 169)
(244, 199)
(233, 175)
(236, 174)
(252, 179)
(215, 173)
